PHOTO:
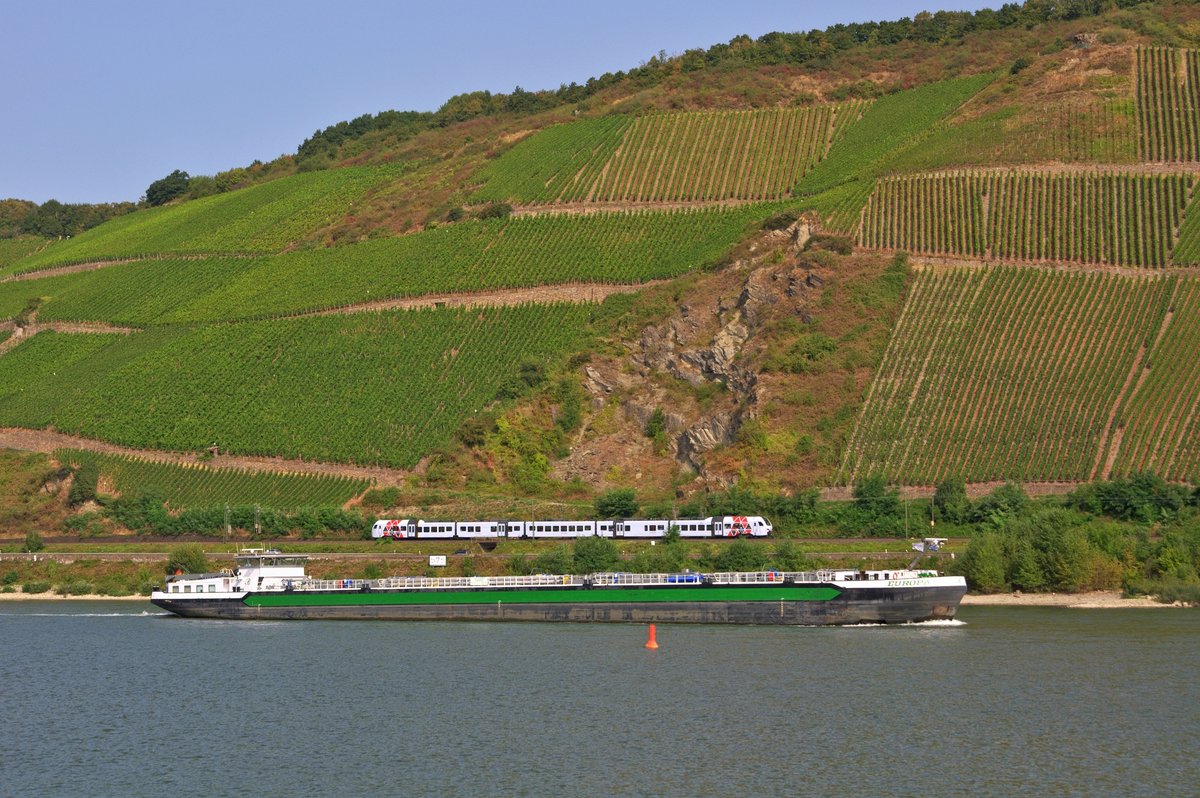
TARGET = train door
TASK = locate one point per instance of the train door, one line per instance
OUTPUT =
(718, 528)
(618, 529)
(502, 529)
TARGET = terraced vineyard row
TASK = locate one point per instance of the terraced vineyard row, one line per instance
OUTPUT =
(14, 249)
(1187, 247)
(887, 126)
(1004, 373)
(755, 155)
(1098, 130)
(1092, 218)
(377, 388)
(468, 256)
(927, 213)
(671, 157)
(204, 486)
(1168, 102)
(560, 163)
(1160, 423)
(262, 218)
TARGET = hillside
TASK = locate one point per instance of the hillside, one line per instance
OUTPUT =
(971, 258)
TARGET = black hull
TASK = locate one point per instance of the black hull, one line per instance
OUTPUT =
(853, 606)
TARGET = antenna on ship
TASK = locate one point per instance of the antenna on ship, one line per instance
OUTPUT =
(929, 545)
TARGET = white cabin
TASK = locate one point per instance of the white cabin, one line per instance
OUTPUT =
(256, 569)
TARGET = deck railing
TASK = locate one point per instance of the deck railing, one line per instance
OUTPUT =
(552, 580)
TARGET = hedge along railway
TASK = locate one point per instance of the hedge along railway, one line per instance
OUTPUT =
(369, 389)
(1168, 102)
(198, 485)
(260, 219)
(1119, 219)
(695, 156)
(1013, 372)
(612, 247)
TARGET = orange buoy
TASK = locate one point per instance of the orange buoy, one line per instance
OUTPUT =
(651, 643)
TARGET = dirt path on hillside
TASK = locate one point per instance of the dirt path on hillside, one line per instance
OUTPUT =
(49, 440)
(92, 266)
(576, 293)
(586, 208)
(31, 329)
(935, 262)
(975, 490)
(1075, 167)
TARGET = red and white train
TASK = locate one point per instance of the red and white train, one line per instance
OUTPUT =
(729, 526)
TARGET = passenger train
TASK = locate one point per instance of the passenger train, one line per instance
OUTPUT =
(729, 526)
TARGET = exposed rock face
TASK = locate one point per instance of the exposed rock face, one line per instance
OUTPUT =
(703, 344)
(704, 436)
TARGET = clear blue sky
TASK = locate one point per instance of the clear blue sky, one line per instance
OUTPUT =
(100, 99)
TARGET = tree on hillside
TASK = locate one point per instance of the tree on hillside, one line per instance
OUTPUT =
(168, 188)
(617, 503)
(950, 502)
(13, 213)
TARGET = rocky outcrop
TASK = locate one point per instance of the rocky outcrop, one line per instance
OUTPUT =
(704, 343)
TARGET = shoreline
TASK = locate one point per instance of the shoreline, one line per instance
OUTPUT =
(1099, 599)
(50, 595)
(1092, 600)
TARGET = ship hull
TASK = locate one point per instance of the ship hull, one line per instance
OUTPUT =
(813, 605)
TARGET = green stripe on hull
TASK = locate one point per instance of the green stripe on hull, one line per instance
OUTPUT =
(602, 596)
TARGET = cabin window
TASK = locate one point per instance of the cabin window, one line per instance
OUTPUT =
(187, 588)
(212, 588)
(174, 588)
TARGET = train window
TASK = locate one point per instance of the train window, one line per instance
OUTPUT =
(187, 588)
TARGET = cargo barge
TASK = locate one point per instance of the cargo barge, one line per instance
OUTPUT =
(271, 585)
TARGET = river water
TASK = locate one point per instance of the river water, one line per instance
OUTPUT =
(114, 699)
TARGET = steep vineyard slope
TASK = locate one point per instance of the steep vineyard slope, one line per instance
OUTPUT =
(1120, 219)
(369, 389)
(202, 485)
(1008, 373)
(468, 256)
(690, 157)
(264, 218)
(1168, 101)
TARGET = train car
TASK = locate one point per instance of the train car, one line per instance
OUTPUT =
(406, 528)
(729, 526)
(561, 529)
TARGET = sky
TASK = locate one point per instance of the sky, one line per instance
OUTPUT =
(101, 99)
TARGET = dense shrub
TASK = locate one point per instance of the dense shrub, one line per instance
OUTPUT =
(1142, 497)
(1006, 501)
(617, 503)
(950, 501)
(188, 558)
(83, 487)
(595, 554)
(740, 555)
